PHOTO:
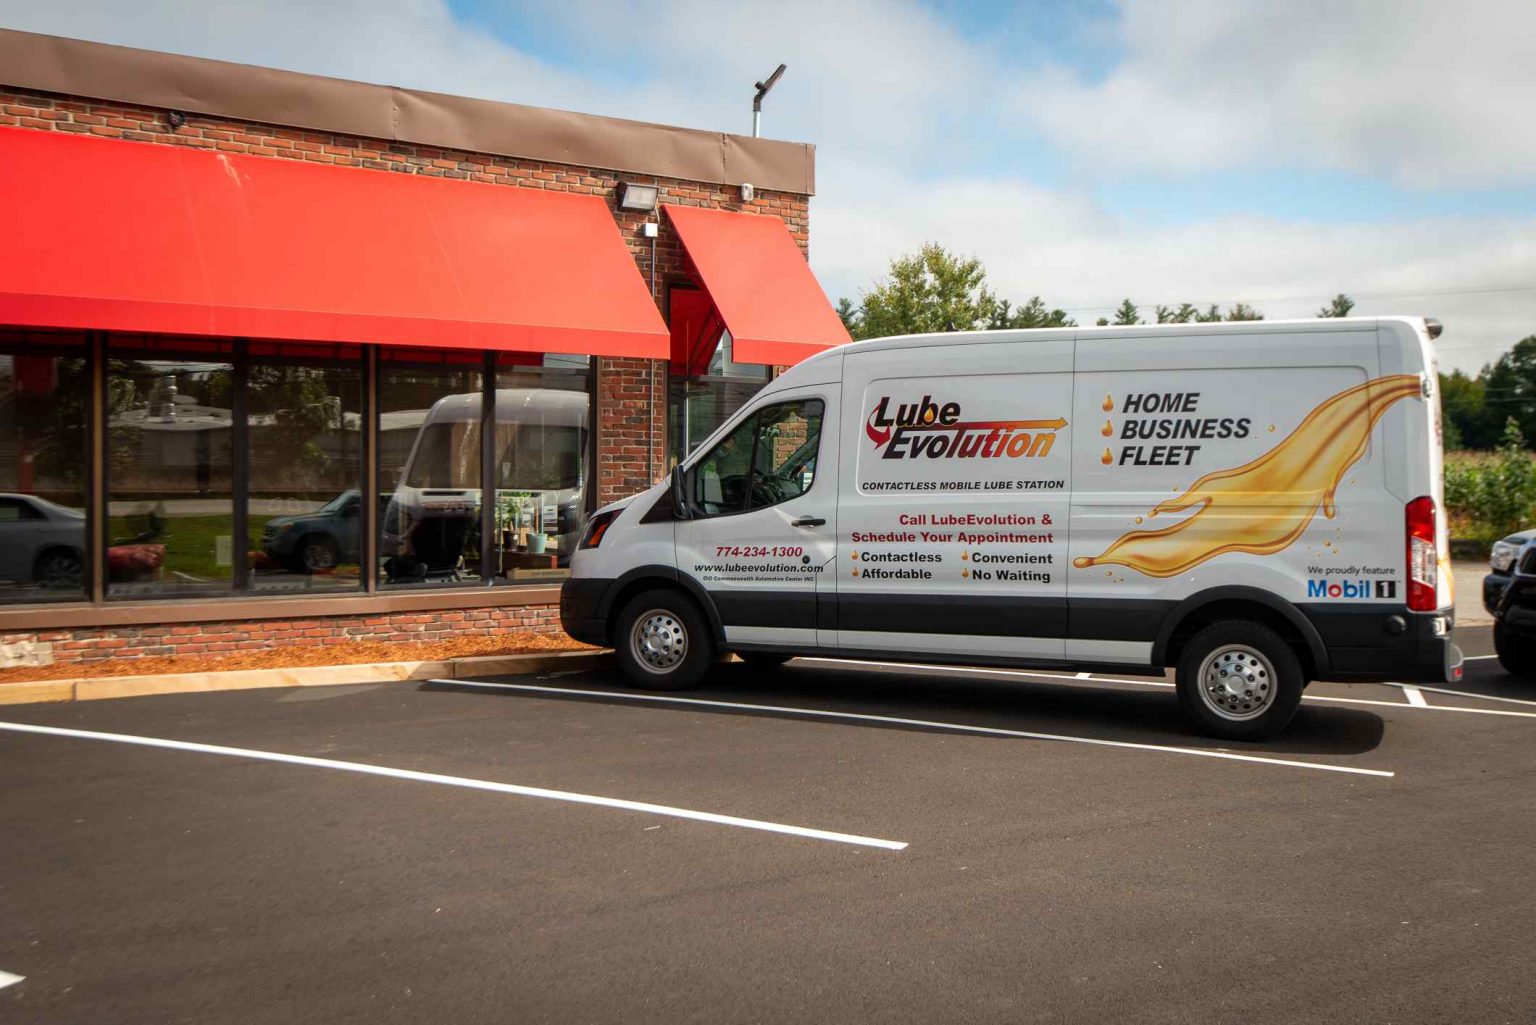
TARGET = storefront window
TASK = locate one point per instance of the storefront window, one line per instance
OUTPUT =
(170, 504)
(305, 518)
(542, 442)
(44, 389)
(429, 467)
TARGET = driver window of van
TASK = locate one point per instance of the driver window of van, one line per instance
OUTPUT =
(769, 458)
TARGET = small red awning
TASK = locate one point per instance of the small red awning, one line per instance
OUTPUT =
(760, 283)
(157, 238)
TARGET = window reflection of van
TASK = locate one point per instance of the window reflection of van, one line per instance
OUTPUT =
(434, 513)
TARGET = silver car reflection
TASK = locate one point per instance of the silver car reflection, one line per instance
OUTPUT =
(41, 542)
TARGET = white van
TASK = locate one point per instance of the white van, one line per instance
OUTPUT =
(541, 441)
(1255, 504)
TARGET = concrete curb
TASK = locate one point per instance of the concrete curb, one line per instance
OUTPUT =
(102, 688)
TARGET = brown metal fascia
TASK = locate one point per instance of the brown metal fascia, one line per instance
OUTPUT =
(315, 103)
(225, 610)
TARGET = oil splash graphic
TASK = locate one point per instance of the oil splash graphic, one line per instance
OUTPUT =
(1263, 506)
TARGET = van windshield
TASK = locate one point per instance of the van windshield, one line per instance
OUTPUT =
(529, 457)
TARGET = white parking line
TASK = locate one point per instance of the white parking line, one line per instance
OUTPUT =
(990, 731)
(1464, 694)
(1415, 697)
(459, 781)
(7, 979)
(1164, 684)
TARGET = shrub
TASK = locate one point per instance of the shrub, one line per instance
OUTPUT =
(1488, 497)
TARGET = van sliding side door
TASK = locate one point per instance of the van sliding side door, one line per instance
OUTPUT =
(953, 498)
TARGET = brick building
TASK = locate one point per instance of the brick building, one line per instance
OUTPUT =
(285, 359)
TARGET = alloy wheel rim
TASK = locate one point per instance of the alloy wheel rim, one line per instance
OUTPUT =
(659, 641)
(1237, 682)
(318, 557)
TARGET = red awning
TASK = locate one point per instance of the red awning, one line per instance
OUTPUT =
(759, 281)
(138, 237)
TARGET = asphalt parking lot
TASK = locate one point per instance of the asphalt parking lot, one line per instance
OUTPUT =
(799, 857)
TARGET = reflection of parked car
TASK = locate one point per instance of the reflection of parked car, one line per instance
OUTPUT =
(1501, 566)
(320, 540)
(40, 542)
(1514, 614)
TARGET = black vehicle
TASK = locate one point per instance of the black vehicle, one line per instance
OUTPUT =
(1501, 565)
(317, 541)
(1514, 615)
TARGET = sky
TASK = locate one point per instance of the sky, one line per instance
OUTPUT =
(1209, 151)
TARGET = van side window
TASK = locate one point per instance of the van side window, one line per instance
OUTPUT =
(769, 458)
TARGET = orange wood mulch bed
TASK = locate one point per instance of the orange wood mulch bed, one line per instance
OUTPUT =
(337, 654)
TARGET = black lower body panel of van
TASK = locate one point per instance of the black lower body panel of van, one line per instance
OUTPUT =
(1368, 643)
(581, 611)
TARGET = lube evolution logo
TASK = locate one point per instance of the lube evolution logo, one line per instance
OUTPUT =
(926, 429)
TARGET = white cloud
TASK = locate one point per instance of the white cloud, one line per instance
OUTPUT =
(1423, 92)
(1063, 247)
(889, 92)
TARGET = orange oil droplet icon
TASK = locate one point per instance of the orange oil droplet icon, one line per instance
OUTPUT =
(1109, 404)
(1082, 562)
(1106, 458)
(1233, 510)
(1108, 430)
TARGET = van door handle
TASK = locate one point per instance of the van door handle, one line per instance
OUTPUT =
(808, 521)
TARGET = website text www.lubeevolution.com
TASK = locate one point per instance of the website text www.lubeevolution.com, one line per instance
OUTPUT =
(763, 571)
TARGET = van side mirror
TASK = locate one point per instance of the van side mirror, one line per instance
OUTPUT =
(681, 508)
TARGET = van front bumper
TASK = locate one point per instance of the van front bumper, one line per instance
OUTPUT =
(581, 609)
(1368, 644)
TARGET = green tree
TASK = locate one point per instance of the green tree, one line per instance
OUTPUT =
(931, 290)
(849, 315)
(1242, 311)
(1183, 315)
(1210, 316)
(1031, 314)
(1509, 389)
(1463, 412)
(1339, 306)
(1127, 314)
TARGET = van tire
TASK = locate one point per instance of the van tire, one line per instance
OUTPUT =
(663, 642)
(1517, 653)
(1239, 680)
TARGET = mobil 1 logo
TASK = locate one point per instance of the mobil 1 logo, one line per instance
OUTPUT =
(1351, 590)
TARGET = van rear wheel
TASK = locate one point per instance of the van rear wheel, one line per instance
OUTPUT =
(662, 641)
(1239, 681)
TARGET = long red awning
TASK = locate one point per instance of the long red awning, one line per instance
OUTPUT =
(138, 237)
(758, 279)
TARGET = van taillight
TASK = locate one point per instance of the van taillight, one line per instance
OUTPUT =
(1423, 562)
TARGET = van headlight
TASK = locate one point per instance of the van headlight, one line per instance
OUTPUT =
(597, 527)
(1503, 556)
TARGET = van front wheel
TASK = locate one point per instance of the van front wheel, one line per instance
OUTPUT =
(662, 641)
(1239, 681)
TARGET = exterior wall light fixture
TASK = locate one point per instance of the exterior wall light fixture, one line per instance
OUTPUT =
(637, 197)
